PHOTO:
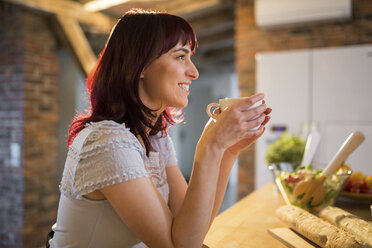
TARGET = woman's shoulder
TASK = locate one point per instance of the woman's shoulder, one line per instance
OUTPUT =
(108, 127)
(102, 130)
(106, 135)
(110, 153)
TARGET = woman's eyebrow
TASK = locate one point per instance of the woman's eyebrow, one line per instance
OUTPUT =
(182, 49)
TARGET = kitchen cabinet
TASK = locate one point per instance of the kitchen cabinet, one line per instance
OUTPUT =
(328, 89)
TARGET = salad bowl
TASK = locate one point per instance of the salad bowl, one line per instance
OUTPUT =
(286, 181)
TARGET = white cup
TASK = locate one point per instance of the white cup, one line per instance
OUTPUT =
(227, 102)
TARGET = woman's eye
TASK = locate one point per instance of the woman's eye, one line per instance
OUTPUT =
(182, 57)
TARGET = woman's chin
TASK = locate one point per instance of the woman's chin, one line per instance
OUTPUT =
(184, 104)
(181, 102)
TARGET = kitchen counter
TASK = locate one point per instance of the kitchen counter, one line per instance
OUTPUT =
(245, 224)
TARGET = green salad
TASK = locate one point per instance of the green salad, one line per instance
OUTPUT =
(333, 184)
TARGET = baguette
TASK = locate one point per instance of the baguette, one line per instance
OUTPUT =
(320, 232)
(360, 228)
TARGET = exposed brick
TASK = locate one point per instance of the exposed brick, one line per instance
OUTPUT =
(11, 121)
(40, 130)
(29, 117)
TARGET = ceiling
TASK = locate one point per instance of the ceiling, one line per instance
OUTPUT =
(212, 20)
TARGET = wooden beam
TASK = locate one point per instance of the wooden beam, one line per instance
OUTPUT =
(184, 7)
(71, 10)
(202, 13)
(98, 5)
(196, 6)
(77, 43)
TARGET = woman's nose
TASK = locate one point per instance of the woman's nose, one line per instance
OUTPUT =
(192, 72)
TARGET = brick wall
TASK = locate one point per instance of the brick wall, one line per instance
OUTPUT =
(40, 129)
(11, 124)
(250, 39)
(29, 116)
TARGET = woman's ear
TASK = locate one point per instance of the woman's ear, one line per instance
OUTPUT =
(142, 75)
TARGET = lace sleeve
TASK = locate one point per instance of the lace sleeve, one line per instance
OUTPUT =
(106, 161)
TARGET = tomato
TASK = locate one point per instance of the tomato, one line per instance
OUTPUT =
(348, 185)
(357, 177)
(364, 188)
(359, 183)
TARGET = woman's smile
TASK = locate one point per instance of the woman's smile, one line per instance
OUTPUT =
(185, 87)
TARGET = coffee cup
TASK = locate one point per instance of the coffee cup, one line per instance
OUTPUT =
(227, 102)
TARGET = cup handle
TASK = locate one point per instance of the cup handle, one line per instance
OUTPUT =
(211, 105)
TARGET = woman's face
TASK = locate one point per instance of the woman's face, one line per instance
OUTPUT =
(165, 81)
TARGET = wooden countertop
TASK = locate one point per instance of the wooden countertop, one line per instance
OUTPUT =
(246, 223)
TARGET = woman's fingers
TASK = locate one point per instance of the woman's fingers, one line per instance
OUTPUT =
(246, 103)
(254, 133)
(267, 118)
(254, 112)
(256, 122)
(268, 111)
(236, 123)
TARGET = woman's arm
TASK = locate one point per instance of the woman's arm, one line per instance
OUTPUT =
(194, 215)
(178, 185)
(228, 160)
(144, 211)
(177, 188)
(227, 163)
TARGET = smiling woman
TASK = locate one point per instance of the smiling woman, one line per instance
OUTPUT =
(115, 86)
(121, 186)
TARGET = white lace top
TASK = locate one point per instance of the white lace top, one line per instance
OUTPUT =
(109, 154)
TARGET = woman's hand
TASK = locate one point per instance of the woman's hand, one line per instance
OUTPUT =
(244, 143)
(232, 127)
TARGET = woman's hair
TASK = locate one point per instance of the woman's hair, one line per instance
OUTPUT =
(138, 38)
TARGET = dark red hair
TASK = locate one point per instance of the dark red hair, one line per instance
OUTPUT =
(138, 38)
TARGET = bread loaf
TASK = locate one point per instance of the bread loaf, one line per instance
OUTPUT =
(358, 227)
(319, 231)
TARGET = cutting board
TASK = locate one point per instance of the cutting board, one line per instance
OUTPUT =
(290, 238)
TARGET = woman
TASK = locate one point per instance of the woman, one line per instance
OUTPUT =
(121, 184)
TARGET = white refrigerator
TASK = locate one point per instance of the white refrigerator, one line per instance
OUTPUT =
(328, 89)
